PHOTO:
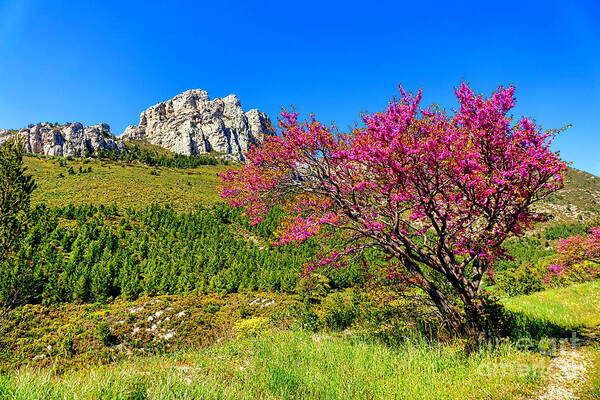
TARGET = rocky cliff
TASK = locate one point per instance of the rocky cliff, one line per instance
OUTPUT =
(191, 123)
(72, 139)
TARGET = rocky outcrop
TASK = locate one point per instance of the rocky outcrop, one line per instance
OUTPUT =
(72, 139)
(191, 123)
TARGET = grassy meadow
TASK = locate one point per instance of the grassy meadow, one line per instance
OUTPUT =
(129, 185)
(572, 307)
(262, 360)
(590, 390)
(293, 365)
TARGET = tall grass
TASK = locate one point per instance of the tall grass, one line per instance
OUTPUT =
(296, 365)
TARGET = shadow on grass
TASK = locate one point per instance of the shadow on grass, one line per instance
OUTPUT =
(520, 325)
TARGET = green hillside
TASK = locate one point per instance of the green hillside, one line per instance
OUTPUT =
(578, 201)
(138, 185)
(130, 185)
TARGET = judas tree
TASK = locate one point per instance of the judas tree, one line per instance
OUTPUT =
(437, 193)
(578, 258)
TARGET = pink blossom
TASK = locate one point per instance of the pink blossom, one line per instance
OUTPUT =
(424, 186)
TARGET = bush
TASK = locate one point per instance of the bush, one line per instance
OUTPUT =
(251, 327)
(104, 334)
(525, 279)
(564, 231)
(339, 312)
(313, 288)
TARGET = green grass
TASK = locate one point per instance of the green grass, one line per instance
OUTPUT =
(572, 307)
(296, 365)
(145, 145)
(132, 185)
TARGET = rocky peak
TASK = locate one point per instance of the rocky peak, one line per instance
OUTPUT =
(191, 123)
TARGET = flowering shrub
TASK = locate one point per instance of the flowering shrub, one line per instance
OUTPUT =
(578, 259)
(437, 194)
(251, 327)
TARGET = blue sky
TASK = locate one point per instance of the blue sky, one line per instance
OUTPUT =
(104, 61)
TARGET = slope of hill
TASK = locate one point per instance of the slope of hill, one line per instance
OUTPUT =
(578, 201)
(136, 185)
(89, 181)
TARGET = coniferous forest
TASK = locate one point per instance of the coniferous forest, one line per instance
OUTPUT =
(91, 254)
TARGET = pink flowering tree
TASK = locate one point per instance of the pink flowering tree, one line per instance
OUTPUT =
(436, 193)
(578, 259)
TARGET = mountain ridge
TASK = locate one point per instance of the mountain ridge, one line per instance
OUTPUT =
(189, 123)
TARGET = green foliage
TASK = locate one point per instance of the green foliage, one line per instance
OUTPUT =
(153, 158)
(524, 250)
(306, 317)
(104, 334)
(313, 288)
(526, 278)
(251, 327)
(15, 193)
(339, 311)
(564, 231)
(97, 254)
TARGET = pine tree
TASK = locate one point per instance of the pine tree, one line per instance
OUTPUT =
(15, 194)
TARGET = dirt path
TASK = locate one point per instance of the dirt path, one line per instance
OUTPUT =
(568, 370)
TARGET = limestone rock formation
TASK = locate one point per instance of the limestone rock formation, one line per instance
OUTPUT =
(72, 139)
(191, 123)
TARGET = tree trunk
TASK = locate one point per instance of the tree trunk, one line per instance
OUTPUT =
(449, 312)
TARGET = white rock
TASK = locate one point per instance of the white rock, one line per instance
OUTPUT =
(190, 123)
(72, 139)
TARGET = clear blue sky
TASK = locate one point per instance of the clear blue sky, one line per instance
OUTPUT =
(105, 61)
